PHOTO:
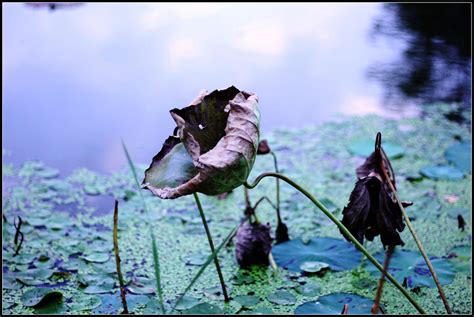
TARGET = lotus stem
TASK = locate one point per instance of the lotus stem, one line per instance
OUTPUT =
(342, 228)
(378, 295)
(211, 244)
(275, 163)
(417, 240)
(262, 199)
(117, 260)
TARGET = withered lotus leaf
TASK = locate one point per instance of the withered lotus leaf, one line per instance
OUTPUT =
(373, 209)
(212, 149)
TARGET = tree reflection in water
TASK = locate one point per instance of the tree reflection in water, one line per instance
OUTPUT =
(436, 63)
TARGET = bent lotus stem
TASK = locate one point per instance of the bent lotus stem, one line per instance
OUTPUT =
(417, 240)
(343, 229)
(211, 244)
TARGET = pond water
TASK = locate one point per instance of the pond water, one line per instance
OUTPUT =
(78, 80)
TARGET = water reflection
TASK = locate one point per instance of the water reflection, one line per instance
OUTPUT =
(435, 64)
(77, 81)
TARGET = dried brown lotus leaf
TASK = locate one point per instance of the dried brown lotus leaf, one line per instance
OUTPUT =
(218, 135)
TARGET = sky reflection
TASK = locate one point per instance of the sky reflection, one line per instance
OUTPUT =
(76, 81)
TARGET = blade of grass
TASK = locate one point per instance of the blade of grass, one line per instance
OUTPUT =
(156, 262)
(206, 264)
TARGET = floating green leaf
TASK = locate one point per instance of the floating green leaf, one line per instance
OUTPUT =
(411, 266)
(97, 257)
(241, 278)
(460, 257)
(247, 300)
(308, 289)
(112, 304)
(259, 311)
(282, 298)
(366, 147)
(460, 155)
(194, 259)
(40, 296)
(142, 286)
(186, 302)
(313, 266)
(339, 254)
(333, 304)
(442, 172)
(83, 302)
(203, 309)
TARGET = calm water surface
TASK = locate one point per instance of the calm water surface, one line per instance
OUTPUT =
(76, 81)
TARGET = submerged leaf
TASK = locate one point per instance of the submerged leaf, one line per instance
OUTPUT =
(214, 149)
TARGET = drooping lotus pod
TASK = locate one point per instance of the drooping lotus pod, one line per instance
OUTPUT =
(253, 245)
(213, 148)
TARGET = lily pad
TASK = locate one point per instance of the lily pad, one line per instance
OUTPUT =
(313, 266)
(241, 278)
(412, 266)
(83, 302)
(460, 257)
(442, 172)
(339, 254)
(185, 303)
(366, 147)
(97, 257)
(247, 300)
(112, 304)
(259, 311)
(203, 309)
(194, 259)
(308, 289)
(282, 298)
(34, 276)
(40, 296)
(460, 155)
(142, 286)
(333, 304)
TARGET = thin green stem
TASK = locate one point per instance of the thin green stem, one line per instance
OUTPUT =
(211, 244)
(156, 262)
(343, 229)
(275, 162)
(208, 261)
(117, 260)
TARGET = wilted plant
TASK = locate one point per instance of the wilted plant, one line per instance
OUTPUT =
(212, 150)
